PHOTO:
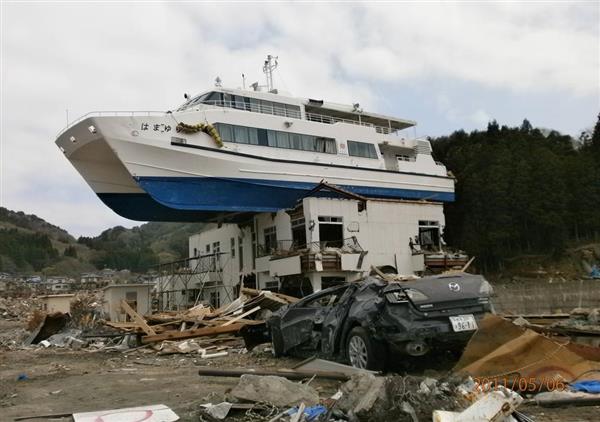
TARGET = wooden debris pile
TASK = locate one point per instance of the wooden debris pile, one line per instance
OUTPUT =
(202, 329)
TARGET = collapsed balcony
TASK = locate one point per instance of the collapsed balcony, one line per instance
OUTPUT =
(288, 257)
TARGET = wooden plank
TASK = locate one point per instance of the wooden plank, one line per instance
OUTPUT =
(137, 318)
(221, 320)
(245, 314)
(254, 293)
(200, 332)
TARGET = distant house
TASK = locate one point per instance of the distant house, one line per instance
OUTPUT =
(57, 303)
(137, 295)
(33, 279)
(87, 278)
(108, 273)
(58, 284)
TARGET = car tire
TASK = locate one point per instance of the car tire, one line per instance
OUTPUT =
(365, 352)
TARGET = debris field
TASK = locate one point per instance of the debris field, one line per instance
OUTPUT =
(205, 364)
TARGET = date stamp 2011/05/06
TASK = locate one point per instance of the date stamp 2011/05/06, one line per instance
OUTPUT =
(524, 384)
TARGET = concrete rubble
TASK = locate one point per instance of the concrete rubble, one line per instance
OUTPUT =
(277, 391)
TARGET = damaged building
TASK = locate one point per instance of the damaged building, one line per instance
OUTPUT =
(332, 236)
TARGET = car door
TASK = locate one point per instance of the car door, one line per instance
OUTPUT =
(334, 321)
(302, 323)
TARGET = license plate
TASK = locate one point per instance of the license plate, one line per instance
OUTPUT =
(463, 322)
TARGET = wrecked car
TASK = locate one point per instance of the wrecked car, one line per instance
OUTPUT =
(366, 322)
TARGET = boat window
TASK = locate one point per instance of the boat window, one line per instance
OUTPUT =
(275, 138)
(239, 102)
(241, 134)
(272, 136)
(279, 109)
(292, 111)
(214, 98)
(266, 107)
(283, 140)
(262, 137)
(253, 136)
(308, 143)
(296, 140)
(223, 99)
(361, 149)
(226, 132)
(325, 145)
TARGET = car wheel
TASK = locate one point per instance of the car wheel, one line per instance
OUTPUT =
(363, 351)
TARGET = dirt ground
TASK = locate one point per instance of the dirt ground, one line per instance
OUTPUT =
(65, 381)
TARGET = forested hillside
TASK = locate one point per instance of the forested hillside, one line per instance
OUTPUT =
(140, 248)
(30, 244)
(520, 190)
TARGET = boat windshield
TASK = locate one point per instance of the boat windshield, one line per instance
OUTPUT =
(203, 98)
(224, 99)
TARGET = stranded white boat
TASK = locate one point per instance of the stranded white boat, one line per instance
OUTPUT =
(229, 152)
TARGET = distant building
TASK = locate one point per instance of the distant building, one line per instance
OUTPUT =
(137, 295)
(33, 279)
(58, 284)
(90, 278)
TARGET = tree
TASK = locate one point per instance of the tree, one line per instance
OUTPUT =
(70, 251)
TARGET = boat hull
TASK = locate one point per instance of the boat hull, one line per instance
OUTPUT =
(255, 195)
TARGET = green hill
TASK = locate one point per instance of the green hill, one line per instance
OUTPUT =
(30, 244)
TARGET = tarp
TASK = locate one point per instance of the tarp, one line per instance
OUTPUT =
(589, 386)
(501, 350)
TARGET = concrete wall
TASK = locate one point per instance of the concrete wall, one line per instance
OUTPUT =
(58, 304)
(384, 228)
(114, 294)
(541, 296)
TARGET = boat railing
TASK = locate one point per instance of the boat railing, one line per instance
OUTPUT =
(331, 120)
(253, 107)
(291, 113)
(110, 113)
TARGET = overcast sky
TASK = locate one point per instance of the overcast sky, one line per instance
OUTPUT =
(448, 66)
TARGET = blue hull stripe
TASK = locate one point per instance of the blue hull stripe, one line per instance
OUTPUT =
(254, 195)
(142, 207)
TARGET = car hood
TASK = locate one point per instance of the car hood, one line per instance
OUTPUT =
(444, 288)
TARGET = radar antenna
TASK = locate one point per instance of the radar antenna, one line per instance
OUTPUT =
(268, 68)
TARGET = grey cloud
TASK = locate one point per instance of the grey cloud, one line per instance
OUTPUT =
(129, 56)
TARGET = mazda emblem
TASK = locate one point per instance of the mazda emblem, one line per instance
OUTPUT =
(454, 287)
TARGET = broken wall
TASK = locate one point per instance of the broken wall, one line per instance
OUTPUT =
(540, 296)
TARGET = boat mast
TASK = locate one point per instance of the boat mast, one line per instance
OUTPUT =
(268, 68)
